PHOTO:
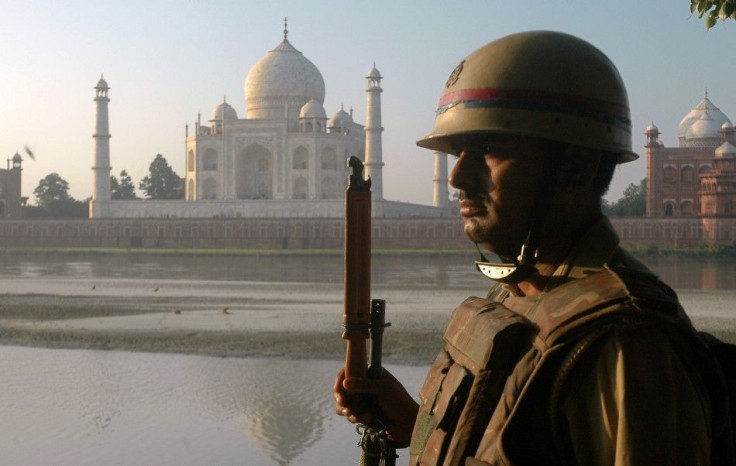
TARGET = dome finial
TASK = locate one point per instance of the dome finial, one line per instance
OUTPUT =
(286, 29)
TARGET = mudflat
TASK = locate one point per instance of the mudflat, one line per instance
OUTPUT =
(265, 329)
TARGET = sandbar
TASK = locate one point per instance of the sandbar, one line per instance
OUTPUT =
(264, 329)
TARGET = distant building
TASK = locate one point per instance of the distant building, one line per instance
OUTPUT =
(697, 178)
(11, 201)
(285, 158)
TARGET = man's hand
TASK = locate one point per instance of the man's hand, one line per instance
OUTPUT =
(397, 409)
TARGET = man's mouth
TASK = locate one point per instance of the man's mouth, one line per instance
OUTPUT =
(471, 205)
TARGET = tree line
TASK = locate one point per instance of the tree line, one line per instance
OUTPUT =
(162, 182)
(54, 201)
(633, 203)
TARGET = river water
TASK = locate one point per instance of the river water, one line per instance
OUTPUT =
(76, 407)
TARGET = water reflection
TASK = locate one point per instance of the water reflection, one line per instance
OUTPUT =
(96, 407)
(390, 270)
(387, 269)
(282, 414)
(696, 273)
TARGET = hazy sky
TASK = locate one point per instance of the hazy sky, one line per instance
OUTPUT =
(165, 61)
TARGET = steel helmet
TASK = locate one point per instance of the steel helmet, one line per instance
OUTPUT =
(541, 84)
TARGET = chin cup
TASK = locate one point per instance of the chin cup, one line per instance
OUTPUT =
(508, 273)
(511, 274)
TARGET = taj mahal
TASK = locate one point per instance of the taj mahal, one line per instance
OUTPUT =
(285, 158)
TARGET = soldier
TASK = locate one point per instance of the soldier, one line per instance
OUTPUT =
(579, 354)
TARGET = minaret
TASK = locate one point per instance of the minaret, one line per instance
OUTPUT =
(441, 191)
(653, 147)
(99, 206)
(373, 130)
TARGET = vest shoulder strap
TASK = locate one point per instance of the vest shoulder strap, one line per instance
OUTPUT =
(611, 293)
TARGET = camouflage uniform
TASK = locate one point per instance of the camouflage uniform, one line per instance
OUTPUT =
(574, 375)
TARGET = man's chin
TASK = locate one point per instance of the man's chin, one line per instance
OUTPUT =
(475, 233)
(484, 239)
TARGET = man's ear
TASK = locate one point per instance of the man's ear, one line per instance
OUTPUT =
(578, 168)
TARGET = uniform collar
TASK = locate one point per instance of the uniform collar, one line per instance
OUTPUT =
(591, 253)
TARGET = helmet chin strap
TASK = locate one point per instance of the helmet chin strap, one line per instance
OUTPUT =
(510, 273)
(523, 266)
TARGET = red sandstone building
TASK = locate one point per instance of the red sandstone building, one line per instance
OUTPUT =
(697, 179)
(11, 200)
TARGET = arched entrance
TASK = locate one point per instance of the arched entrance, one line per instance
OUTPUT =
(253, 173)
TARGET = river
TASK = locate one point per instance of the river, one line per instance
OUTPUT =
(72, 407)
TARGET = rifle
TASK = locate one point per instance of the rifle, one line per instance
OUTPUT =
(363, 317)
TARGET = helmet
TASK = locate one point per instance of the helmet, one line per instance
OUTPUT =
(540, 84)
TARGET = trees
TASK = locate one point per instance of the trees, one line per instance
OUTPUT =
(51, 189)
(123, 189)
(713, 10)
(162, 182)
(632, 204)
(53, 199)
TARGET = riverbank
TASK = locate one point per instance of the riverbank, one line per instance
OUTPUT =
(183, 328)
(208, 252)
(57, 322)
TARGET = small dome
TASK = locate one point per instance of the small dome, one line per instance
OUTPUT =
(652, 128)
(726, 150)
(102, 84)
(726, 126)
(373, 72)
(341, 118)
(17, 158)
(224, 111)
(313, 109)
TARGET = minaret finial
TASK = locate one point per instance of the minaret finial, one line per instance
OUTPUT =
(286, 29)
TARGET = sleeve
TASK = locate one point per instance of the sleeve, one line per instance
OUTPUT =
(635, 400)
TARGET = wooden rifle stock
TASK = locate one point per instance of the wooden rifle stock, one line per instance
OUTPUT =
(357, 313)
(363, 318)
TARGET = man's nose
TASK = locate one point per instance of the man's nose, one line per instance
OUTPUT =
(464, 171)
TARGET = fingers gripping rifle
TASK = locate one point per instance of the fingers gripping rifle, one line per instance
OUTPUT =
(363, 317)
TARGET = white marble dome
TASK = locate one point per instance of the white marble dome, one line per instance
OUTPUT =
(726, 150)
(102, 84)
(373, 72)
(705, 127)
(284, 78)
(224, 111)
(313, 109)
(702, 122)
(341, 119)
